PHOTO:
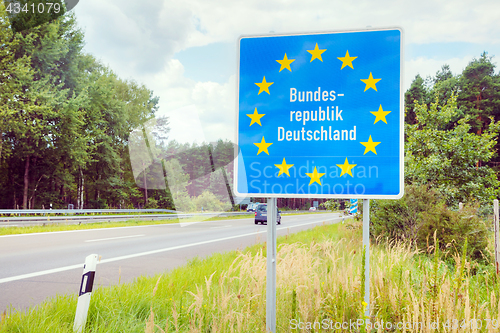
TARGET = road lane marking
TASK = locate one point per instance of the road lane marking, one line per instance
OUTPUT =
(35, 274)
(135, 255)
(112, 238)
(181, 224)
(225, 226)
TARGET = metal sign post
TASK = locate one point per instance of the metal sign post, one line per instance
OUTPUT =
(366, 246)
(497, 231)
(271, 265)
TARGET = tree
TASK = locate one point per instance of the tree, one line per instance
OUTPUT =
(479, 94)
(64, 120)
(14, 71)
(446, 158)
(177, 183)
(443, 74)
(416, 93)
(44, 114)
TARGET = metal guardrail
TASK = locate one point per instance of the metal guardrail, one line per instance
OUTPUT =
(62, 218)
(80, 211)
(41, 215)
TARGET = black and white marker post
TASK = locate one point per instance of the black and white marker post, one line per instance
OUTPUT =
(82, 307)
(271, 265)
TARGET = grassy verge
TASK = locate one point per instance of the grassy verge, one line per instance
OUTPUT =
(61, 226)
(318, 280)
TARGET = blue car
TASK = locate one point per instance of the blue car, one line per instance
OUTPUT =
(261, 214)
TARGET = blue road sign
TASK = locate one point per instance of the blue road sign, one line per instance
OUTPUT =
(354, 206)
(320, 115)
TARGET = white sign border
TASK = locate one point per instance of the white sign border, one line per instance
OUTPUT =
(320, 195)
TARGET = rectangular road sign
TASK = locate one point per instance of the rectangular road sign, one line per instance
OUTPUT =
(354, 206)
(320, 115)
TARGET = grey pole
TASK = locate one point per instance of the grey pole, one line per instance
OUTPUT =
(497, 233)
(366, 246)
(271, 266)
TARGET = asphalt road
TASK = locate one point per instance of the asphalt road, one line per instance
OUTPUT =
(34, 267)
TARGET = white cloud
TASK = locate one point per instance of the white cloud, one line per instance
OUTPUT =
(135, 37)
(424, 21)
(198, 111)
(138, 39)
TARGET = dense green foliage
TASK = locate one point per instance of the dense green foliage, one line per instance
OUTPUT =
(65, 121)
(421, 213)
(451, 132)
(447, 159)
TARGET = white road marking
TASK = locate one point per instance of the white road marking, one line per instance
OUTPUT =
(97, 229)
(112, 238)
(225, 226)
(140, 254)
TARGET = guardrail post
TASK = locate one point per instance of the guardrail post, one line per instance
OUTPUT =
(82, 308)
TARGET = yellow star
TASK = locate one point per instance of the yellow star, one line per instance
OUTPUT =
(380, 114)
(255, 116)
(370, 82)
(316, 53)
(347, 60)
(315, 176)
(285, 63)
(370, 145)
(263, 145)
(264, 86)
(346, 168)
(284, 167)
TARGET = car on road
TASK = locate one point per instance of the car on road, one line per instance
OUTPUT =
(251, 207)
(261, 214)
(312, 209)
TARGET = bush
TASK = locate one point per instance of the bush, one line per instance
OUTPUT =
(452, 228)
(421, 212)
(151, 204)
(209, 202)
(330, 205)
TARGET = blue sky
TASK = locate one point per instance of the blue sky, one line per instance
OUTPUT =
(186, 51)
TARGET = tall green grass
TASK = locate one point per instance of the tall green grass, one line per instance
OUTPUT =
(318, 278)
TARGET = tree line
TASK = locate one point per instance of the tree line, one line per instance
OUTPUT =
(451, 132)
(67, 124)
(64, 121)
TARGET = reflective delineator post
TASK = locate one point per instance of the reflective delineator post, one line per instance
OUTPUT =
(271, 266)
(366, 246)
(85, 291)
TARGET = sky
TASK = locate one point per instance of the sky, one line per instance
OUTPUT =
(186, 51)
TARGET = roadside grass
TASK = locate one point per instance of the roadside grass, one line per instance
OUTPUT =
(319, 276)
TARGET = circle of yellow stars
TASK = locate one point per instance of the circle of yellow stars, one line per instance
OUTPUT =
(369, 145)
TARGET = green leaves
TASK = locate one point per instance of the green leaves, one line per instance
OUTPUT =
(448, 157)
